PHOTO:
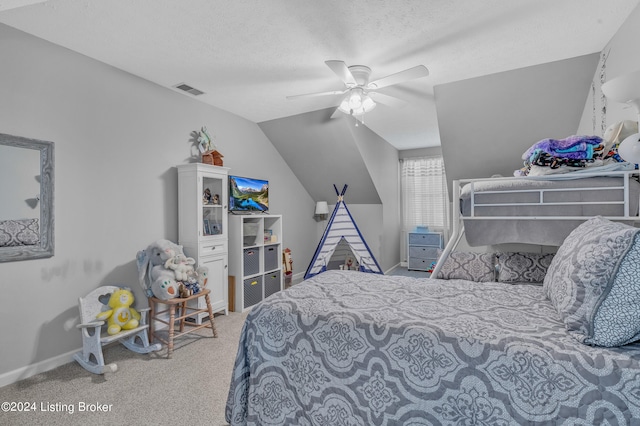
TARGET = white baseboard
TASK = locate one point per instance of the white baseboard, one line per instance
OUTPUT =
(37, 368)
(49, 364)
(297, 278)
(388, 271)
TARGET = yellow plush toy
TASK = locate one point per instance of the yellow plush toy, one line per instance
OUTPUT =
(121, 316)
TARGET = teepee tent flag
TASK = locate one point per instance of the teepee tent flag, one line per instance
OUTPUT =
(342, 231)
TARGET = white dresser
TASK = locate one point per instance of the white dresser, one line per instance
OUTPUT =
(423, 249)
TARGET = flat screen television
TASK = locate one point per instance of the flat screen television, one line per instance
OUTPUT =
(248, 195)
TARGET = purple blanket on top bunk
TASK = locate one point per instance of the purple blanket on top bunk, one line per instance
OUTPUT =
(573, 147)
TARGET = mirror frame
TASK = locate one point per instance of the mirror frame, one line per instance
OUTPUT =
(46, 246)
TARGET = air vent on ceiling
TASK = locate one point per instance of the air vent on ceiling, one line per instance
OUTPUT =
(186, 88)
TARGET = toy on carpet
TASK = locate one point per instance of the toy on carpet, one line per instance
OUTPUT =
(121, 316)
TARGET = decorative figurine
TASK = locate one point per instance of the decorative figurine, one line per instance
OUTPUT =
(207, 197)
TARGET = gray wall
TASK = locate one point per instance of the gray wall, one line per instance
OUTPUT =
(486, 123)
(617, 58)
(322, 152)
(614, 60)
(381, 160)
(117, 141)
(421, 152)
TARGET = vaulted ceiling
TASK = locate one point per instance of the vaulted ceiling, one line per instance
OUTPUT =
(247, 56)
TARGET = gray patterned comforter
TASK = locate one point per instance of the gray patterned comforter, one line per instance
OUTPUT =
(349, 348)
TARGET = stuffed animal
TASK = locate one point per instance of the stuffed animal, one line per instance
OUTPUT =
(151, 261)
(163, 268)
(165, 288)
(615, 134)
(206, 196)
(121, 316)
(184, 290)
(181, 265)
(203, 276)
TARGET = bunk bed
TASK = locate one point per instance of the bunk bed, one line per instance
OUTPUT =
(347, 347)
(539, 210)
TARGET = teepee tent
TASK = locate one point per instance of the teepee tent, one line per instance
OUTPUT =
(342, 234)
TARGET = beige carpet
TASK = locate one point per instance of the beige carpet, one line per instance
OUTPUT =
(188, 389)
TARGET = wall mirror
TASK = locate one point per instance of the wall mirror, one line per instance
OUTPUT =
(26, 198)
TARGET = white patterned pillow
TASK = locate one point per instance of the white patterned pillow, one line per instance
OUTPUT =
(594, 283)
(21, 232)
(523, 267)
(478, 267)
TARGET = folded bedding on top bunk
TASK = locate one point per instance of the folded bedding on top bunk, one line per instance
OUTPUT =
(346, 347)
(480, 232)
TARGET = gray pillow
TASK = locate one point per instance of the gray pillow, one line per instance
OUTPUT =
(469, 266)
(594, 283)
(523, 267)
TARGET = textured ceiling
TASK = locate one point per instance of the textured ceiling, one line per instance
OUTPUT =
(247, 56)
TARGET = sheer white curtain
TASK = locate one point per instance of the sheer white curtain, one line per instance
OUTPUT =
(425, 200)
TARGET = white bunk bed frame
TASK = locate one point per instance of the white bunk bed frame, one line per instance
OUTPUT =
(457, 219)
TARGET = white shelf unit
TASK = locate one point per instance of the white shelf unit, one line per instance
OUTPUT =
(202, 227)
(255, 244)
(423, 249)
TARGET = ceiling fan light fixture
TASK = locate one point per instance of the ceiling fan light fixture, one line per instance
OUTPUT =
(355, 99)
(367, 104)
(362, 105)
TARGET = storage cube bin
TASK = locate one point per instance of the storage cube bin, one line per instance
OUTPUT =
(271, 257)
(271, 283)
(251, 261)
(252, 291)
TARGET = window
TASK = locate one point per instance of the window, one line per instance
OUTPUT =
(424, 194)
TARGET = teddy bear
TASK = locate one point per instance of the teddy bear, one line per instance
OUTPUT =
(181, 265)
(184, 290)
(121, 316)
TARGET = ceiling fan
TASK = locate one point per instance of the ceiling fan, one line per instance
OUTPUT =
(361, 94)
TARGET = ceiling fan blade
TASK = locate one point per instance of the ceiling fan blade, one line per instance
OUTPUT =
(387, 100)
(313, 95)
(342, 71)
(400, 77)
